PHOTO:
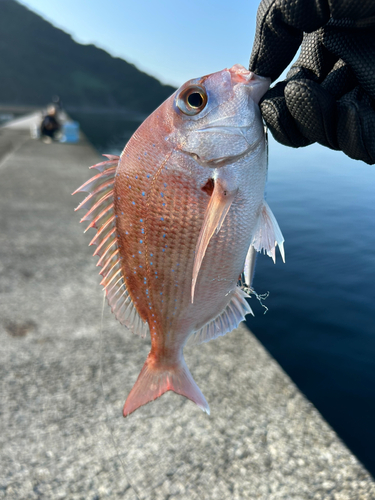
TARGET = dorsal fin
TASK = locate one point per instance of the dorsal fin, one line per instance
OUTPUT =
(228, 320)
(100, 206)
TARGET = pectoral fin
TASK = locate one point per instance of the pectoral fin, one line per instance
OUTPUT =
(221, 199)
(267, 234)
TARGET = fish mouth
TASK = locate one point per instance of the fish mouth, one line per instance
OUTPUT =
(259, 84)
(239, 74)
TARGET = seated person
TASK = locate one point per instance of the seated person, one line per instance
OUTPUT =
(50, 126)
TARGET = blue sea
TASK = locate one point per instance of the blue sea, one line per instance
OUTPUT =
(320, 324)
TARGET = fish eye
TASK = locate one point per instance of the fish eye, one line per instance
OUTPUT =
(195, 100)
(192, 100)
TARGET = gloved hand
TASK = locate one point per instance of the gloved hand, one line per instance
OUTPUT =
(329, 93)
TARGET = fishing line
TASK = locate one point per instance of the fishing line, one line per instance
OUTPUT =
(260, 297)
(250, 291)
(105, 403)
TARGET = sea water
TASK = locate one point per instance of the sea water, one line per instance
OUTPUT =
(321, 323)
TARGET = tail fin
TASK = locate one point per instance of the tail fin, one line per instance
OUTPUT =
(153, 381)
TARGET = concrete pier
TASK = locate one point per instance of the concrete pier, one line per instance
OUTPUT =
(64, 379)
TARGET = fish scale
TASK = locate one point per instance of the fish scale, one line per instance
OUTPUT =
(179, 216)
(164, 252)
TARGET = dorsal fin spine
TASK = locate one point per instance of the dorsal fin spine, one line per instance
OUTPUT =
(107, 262)
(110, 245)
(103, 185)
(110, 274)
(103, 164)
(111, 279)
(91, 182)
(105, 218)
(96, 204)
(91, 216)
(110, 157)
(101, 230)
(96, 199)
(112, 287)
(90, 198)
(98, 217)
(104, 241)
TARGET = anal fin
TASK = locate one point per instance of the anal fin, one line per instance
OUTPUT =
(226, 321)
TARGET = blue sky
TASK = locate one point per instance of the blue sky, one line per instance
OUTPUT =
(173, 40)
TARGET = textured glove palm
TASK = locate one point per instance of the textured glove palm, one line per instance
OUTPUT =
(329, 93)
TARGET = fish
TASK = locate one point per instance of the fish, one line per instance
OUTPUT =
(179, 217)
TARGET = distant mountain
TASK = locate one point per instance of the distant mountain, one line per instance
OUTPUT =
(38, 61)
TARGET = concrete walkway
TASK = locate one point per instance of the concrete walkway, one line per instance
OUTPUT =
(63, 383)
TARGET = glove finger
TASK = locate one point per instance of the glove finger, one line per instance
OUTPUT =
(313, 110)
(315, 61)
(357, 48)
(279, 120)
(279, 31)
(356, 125)
(340, 80)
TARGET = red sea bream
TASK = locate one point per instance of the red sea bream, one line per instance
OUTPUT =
(179, 216)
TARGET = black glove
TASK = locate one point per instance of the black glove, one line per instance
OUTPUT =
(329, 93)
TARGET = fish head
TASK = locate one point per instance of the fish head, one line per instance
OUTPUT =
(216, 118)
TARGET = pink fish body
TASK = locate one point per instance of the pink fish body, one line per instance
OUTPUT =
(179, 216)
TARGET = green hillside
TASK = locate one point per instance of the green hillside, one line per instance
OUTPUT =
(38, 61)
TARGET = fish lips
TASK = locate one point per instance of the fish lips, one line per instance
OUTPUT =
(257, 85)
